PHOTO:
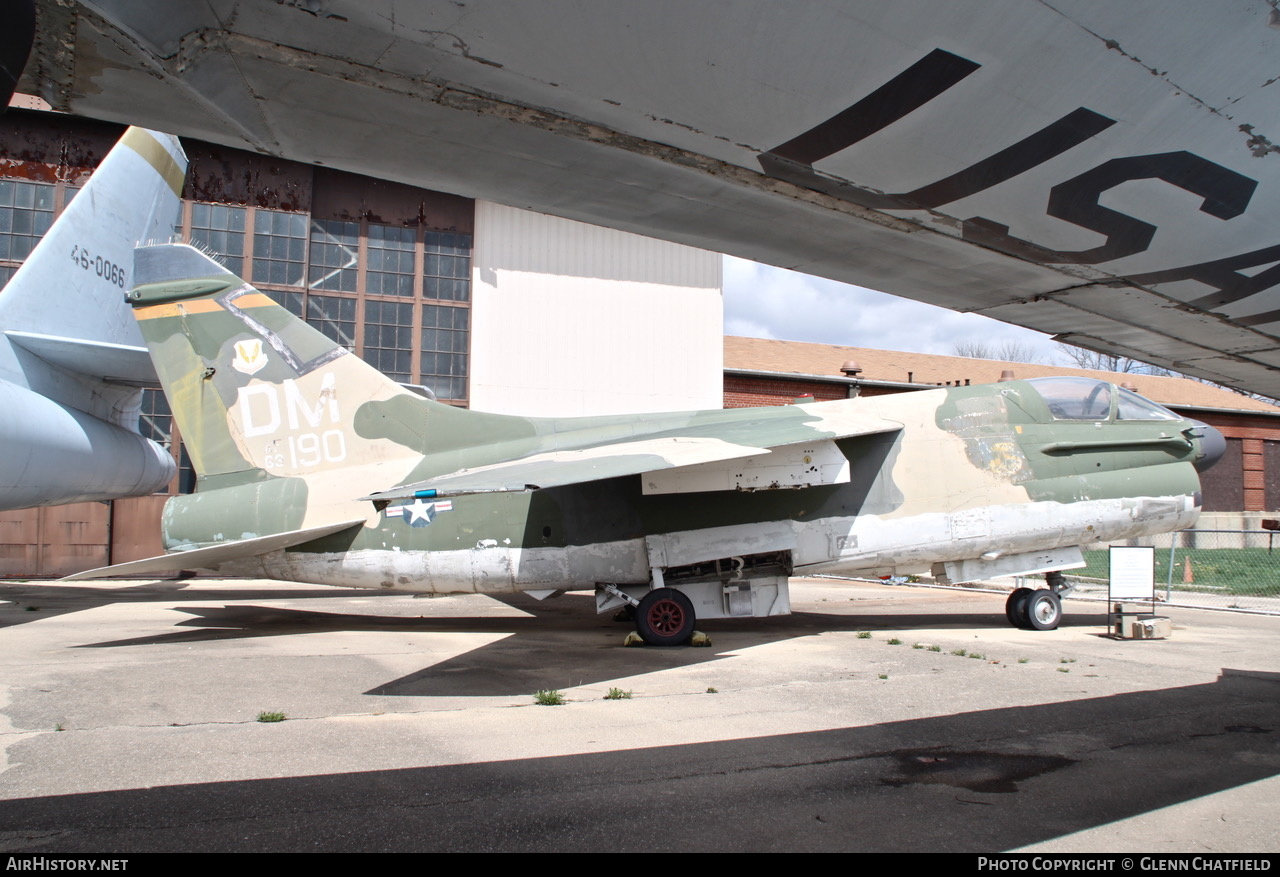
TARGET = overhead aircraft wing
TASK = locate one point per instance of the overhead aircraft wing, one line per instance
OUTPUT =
(213, 555)
(636, 457)
(1106, 172)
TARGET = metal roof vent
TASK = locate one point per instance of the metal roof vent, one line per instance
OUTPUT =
(851, 368)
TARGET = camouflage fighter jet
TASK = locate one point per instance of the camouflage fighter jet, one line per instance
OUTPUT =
(314, 467)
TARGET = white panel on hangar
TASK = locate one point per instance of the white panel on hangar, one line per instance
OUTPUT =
(574, 319)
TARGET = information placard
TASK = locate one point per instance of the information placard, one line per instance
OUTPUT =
(1133, 573)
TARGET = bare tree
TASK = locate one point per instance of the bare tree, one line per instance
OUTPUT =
(1007, 351)
(1110, 362)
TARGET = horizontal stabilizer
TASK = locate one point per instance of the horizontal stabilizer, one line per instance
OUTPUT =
(656, 453)
(213, 555)
(114, 363)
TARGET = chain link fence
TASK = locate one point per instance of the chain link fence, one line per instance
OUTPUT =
(1222, 569)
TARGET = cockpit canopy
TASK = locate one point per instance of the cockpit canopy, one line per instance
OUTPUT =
(1073, 398)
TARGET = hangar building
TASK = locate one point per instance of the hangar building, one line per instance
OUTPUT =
(491, 307)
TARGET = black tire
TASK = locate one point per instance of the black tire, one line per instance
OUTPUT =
(1015, 608)
(1044, 610)
(665, 618)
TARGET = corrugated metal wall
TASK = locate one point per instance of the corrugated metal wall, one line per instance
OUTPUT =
(570, 319)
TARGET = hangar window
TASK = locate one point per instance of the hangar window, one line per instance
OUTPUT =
(220, 229)
(445, 333)
(335, 316)
(279, 247)
(26, 212)
(388, 337)
(446, 268)
(391, 252)
(335, 253)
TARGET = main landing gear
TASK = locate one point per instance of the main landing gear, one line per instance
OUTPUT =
(1038, 609)
(665, 618)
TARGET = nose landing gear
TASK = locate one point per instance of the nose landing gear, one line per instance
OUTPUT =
(1038, 609)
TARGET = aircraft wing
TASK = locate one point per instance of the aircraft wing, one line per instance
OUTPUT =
(1106, 172)
(644, 455)
(213, 555)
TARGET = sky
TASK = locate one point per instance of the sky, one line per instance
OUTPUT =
(761, 301)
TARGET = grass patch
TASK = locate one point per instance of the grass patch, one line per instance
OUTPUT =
(959, 653)
(917, 645)
(617, 694)
(1066, 660)
(935, 648)
(1064, 669)
(884, 675)
(713, 691)
(266, 716)
(895, 642)
(1023, 660)
(864, 634)
(548, 697)
(976, 655)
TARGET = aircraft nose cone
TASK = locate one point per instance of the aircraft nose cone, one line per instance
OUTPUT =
(1212, 446)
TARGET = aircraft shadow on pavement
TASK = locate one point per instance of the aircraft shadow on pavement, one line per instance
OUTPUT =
(980, 781)
(41, 600)
(559, 643)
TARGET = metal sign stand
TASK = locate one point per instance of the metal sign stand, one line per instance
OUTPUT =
(1133, 578)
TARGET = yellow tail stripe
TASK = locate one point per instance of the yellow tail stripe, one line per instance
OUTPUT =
(141, 142)
(201, 306)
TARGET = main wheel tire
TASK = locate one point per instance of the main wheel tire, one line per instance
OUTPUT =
(1015, 608)
(665, 618)
(1044, 610)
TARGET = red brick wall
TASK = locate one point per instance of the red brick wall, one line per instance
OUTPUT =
(749, 391)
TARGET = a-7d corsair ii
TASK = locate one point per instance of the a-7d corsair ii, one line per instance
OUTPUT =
(314, 467)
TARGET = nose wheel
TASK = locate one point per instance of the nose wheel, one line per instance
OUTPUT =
(1044, 610)
(1037, 609)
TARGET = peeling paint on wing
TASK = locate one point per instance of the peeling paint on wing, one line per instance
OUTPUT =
(1259, 146)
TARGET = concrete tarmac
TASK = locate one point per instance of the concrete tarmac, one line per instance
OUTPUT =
(876, 717)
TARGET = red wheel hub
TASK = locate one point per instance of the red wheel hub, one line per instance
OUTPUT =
(666, 617)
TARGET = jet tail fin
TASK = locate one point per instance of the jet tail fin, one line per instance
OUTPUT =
(69, 290)
(73, 281)
(256, 390)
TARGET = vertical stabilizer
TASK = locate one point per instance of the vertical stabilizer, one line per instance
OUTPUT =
(74, 281)
(71, 358)
(255, 389)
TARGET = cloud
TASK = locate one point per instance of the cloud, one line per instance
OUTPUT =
(765, 302)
